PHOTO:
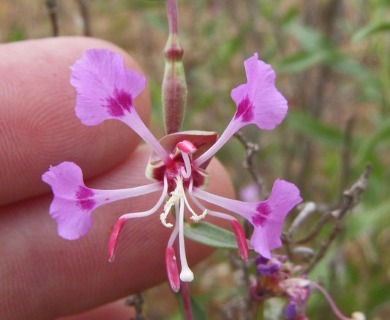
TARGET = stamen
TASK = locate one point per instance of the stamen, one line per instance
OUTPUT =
(202, 207)
(175, 197)
(167, 208)
(163, 219)
(175, 231)
(237, 229)
(151, 211)
(112, 244)
(187, 163)
(195, 217)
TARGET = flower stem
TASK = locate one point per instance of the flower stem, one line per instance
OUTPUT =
(186, 296)
(332, 304)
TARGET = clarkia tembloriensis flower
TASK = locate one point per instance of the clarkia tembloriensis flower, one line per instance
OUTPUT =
(178, 164)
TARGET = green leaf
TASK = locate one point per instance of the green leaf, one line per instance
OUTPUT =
(368, 220)
(210, 235)
(371, 29)
(314, 128)
(368, 150)
(309, 38)
(302, 61)
(18, 33)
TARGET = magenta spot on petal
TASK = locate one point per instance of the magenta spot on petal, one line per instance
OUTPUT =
(84, 202)
(262, 212)
(118, 103)
(245, 110)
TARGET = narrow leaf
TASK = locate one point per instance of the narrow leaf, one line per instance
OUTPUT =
(315, 129)
(210, 235)
(371, 29)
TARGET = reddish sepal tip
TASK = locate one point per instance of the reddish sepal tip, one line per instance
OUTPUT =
(112, 243)
(172, 270)
(242, 242)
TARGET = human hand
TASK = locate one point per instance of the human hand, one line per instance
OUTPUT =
(43, 276)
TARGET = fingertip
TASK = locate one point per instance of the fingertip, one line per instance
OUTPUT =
(117, 310)
(38, 125)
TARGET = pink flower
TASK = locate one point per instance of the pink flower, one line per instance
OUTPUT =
(106, 90)
(73, 202)
(258, 102)
(267, 217)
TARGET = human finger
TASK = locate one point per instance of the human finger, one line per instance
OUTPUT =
(38, 125)
(55, 277)
(117, 310)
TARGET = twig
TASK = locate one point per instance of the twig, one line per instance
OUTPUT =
(250, 150)
(307, 210)
(287, 244)
(314, 232)
(83, 4)
(350, 200)
(246, 305)
(137, 302)
(51, 6)
(346, 152)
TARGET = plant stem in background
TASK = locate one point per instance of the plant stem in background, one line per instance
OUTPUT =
(51, 6)
(83, 4)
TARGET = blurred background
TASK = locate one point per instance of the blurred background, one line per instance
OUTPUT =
(332, 59)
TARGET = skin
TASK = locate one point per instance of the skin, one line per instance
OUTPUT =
(43, 276)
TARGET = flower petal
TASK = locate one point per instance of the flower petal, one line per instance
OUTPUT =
(105, 88)
(73, 202)
(258, 101)
(267, 216)
(268, 221)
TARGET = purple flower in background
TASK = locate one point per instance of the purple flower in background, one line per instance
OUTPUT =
(106, 90)
(298, 291)
(278, 277)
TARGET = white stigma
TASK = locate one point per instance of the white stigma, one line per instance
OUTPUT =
(186, 275)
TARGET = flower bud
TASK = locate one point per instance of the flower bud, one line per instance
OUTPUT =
(174, 87)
